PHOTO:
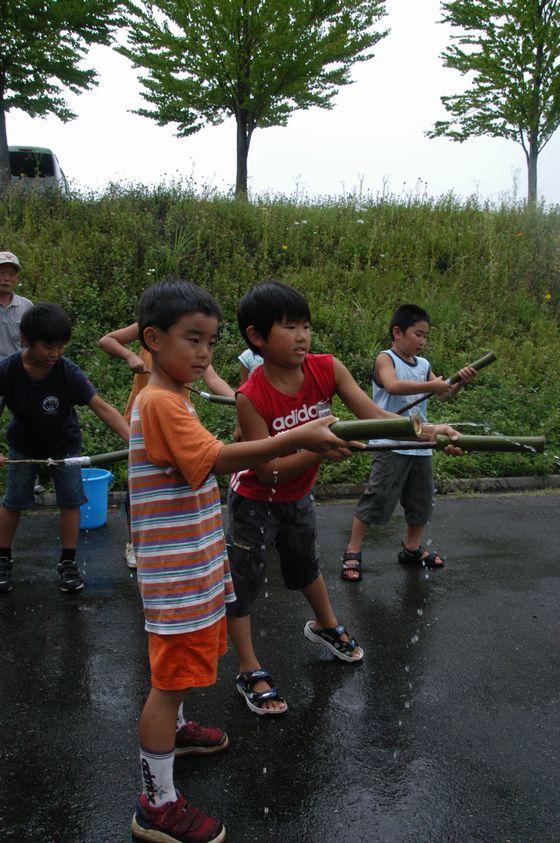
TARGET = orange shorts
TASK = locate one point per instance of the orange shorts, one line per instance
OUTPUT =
(187, 660)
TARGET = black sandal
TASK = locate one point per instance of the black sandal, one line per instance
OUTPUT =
(245, 683)
(351, 556)
(416, 557)
(332, 639)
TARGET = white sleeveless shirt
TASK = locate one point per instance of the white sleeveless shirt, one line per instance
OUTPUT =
(418, 370)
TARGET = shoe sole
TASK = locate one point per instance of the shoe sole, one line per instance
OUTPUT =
(201, 750)
(271, 712)
(311, 635)
(156, 836)
(69, 590)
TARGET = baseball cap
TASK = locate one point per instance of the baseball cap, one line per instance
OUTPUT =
(9, 257)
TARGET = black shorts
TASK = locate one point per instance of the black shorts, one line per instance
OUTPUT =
(254, 526)
(394, 477)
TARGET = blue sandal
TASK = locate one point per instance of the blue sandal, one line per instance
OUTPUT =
(245, 682)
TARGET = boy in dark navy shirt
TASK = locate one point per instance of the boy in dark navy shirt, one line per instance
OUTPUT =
(41, 388)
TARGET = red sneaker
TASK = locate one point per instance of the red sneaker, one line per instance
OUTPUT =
(176, 822)
(194, 739)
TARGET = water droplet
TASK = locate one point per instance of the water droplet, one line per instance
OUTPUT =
(400, 722)
(420, 612)
(266, 812)
(406, 668)
(266, 594)
(407, 704)
(410, 686)
(263, 547)
(395, 753)
(262, 529)
(251, 512)
(414, 639)
(264, 771)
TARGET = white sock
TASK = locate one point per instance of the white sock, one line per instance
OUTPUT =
(157, 777)
(180, 719)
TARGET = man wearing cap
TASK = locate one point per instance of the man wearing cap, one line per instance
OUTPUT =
(12, 306)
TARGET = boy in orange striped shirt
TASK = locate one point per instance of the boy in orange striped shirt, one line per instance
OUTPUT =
(183, 571)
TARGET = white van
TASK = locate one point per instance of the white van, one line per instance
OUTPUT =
(34, 167)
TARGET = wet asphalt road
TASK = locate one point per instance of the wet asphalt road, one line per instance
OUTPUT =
(449, 731)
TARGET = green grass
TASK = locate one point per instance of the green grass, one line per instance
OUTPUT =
(489, 276)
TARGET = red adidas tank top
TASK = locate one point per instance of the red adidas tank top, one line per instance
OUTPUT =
(284, 412)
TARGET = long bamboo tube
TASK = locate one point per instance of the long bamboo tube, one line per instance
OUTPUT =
(478, 365)
(111, 456)
(523, 444)
(407, 427)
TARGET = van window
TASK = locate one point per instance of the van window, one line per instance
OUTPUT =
(31, 164)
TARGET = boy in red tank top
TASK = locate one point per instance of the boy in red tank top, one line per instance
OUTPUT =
(273, 504)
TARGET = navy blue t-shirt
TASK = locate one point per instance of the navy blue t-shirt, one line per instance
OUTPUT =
(44, 422)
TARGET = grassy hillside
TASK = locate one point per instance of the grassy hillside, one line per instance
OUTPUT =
(488, 276)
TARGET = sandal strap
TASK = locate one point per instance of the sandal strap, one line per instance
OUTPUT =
(414, 554)
(351, 554)
(334, 634)
(251, 677)
(258, 697)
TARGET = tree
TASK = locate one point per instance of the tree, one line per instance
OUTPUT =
(41, 45)
(513, 49)
(256, 60)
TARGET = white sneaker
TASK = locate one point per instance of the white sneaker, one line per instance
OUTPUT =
(129, 555)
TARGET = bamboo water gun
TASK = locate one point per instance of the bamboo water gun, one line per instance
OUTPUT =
(478, 365)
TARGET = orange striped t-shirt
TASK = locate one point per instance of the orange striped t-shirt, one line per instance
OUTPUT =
(177, 532)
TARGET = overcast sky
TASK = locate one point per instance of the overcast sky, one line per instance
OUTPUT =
(374, 136)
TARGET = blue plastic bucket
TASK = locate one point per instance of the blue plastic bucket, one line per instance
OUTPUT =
(96, 487)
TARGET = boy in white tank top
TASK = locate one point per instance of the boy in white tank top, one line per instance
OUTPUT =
(400, 376)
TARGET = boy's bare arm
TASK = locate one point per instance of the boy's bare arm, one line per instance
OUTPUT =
(385, 374)
(216, 384)
(110, 416)
(354, 396)
(275, 454)
(114, 344)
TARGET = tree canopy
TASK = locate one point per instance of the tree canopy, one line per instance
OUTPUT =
(255, 60)
(41, 47)
(512, 48)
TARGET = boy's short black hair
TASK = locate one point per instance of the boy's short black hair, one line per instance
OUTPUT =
(46, 322)
(407, 315)
(267, 303)
(163, 304)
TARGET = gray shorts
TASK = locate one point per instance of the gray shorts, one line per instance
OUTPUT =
(395, 477)
(256, 525)
(21, 481)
